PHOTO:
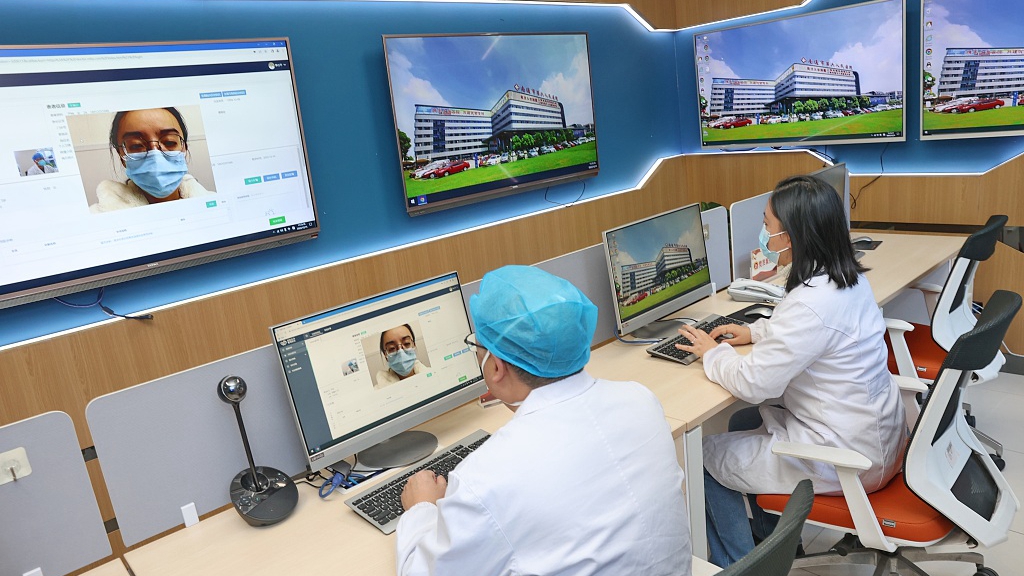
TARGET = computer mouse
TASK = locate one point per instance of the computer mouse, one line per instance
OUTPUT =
(762, 311)
(859, 239)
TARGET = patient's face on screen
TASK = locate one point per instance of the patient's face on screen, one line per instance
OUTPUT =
(396, 339)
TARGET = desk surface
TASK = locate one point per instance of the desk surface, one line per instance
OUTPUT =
(116, 568)
(324, 535)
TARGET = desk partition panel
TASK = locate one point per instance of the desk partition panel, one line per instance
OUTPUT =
(716, 238)
(745, 217)
(172, 441)
(49, 519)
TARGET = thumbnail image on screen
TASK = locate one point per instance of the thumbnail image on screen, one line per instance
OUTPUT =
(971, 57)
(480, 116)
(657, 260)
(827, 77)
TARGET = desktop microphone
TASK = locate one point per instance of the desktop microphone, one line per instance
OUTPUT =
(262, 495)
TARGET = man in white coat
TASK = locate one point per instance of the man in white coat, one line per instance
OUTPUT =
(583, 480)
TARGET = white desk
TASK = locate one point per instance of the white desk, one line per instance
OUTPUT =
(116, 568)
(324, 536)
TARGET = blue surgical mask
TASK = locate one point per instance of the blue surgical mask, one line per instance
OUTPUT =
(762, 241)
(402, 361)
(157, 174)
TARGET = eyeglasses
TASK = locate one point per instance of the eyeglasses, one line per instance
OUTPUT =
(406, 343)
(472, 343)
(169, 144)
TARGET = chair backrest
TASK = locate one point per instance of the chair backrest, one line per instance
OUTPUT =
(953, 314)
(774, 555)
(945, 464)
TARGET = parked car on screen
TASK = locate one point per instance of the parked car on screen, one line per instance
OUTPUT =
(833, 114)
(421, 172)
(533, 153)
(975, 105)
(453, 167)
(771, 120)
(504, 158)
(492, 161)
(734, 123)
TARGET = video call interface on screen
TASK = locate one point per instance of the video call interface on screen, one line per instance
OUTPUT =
(246, 166)
(338, 375)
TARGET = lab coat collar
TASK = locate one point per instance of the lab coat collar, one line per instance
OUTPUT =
(556, 392)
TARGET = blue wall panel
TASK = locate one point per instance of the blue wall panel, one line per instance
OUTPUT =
(343, 92)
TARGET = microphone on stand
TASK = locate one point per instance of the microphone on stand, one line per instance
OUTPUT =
(262, 495)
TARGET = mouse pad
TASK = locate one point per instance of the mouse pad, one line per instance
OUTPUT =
(740, 315)
(867, 245)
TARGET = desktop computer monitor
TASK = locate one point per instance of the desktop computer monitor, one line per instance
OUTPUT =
(347, 395)
(657, 266)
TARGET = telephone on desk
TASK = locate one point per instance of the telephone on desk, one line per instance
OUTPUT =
(745, 290)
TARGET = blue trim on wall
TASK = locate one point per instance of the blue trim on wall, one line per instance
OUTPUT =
(343, 92)
(974, 155)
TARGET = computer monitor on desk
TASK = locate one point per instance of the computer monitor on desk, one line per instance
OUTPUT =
(657, 266)
(346, 394)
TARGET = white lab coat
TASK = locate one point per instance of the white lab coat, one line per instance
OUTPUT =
(823, 353)
(582, 481)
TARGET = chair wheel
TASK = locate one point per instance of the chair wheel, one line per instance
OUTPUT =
(999, 462)
(985, 571)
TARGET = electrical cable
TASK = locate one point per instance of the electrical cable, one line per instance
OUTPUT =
(881, 163)
(106, 310)
(575, 200)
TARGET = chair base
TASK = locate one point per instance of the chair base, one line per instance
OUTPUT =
(902, 562)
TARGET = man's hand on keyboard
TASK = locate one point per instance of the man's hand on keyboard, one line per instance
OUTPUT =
(423, 486)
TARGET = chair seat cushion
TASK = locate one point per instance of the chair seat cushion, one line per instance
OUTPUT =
(927, 355)
(899, 511)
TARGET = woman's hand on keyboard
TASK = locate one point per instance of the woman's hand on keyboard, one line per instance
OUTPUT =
(423, 486)
(702, 342)
(732, 334)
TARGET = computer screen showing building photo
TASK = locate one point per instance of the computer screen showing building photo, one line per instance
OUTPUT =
(827, 77)
(483, 115)
(657, 265)
(972, 57)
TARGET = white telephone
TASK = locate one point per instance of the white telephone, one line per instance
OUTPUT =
(745, 290)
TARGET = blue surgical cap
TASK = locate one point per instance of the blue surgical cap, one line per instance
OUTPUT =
(535, 320)
(37, 156)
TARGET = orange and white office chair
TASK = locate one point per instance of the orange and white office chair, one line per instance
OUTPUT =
(949, 496)
(917, 350)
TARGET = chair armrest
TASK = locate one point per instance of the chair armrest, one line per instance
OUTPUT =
(910, 388)
(848, 463)
(927, 287)
(931, 294)
(900, 349)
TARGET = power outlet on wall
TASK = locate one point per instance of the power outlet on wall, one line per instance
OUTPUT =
(14, 465)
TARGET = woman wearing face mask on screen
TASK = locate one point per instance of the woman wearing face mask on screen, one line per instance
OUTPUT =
(153, 147)
(820, 363)
(398, 348)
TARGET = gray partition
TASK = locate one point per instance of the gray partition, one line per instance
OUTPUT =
(49, 519)
(716, 239)
(745, 219)
(172, 441)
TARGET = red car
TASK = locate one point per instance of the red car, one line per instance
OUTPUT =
(733, 123)
(975, 105)
(450, 168)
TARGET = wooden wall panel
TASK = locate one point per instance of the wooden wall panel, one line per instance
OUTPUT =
(693, 13)
(65, 372)
(1003, 271)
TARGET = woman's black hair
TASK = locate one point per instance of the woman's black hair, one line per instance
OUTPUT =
(411, 333)
(812, 213)
(120, 116)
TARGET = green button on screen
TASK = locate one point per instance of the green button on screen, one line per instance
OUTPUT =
(276, 221)
(253, 180)
(211, 204)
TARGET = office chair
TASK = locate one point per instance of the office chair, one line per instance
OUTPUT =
(949, 491)
(774, 555)
(917, 350)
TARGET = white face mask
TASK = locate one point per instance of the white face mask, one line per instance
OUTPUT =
(482, 363)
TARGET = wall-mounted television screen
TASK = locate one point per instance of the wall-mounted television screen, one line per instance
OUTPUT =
(830, 77)
(485, 115)
(122, 160)
(972, 61)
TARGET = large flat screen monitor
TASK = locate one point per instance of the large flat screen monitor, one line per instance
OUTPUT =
(972, 60)
(122, 160)
(657, 266)
(831, 77)
(364, 372)
(484, 115)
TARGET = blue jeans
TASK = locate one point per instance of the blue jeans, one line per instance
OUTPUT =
(730, 534)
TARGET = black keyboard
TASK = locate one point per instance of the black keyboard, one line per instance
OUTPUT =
(383, 505)
(667, 348)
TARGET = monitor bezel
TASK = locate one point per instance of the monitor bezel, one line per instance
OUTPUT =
(805, 142)
(340, 449)
(159, 262)
(667, 307)
(507, 186)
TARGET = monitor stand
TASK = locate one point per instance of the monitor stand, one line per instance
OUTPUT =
(659, 329)
(400, 450)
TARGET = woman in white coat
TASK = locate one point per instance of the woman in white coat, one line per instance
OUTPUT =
(821, 357)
